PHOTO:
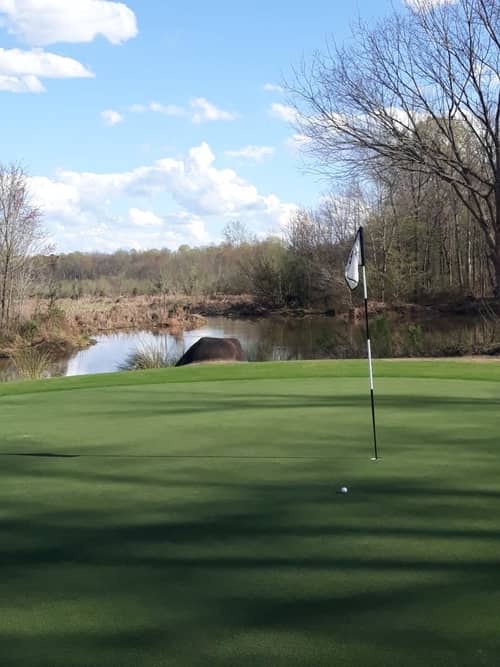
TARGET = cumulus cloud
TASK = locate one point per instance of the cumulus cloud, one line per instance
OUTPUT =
(184, 222)
(143, 218)
(204, 111)
(42, 22)
(284, 112)
(298, 142)
(255, 153)
(21, 84)
(55, 197)
(22, 71)
(156, 107)
(272, 88)
(111, 117)
(201, 193)
(168, 109)
(200, 111)
(75, 223)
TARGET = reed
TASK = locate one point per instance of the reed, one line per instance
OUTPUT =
(148, 355)
(32, 363)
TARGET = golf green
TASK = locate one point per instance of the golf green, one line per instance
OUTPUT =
(191, 517)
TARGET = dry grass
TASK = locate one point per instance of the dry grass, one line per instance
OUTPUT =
(103, 314)
(479, 359)
(69, 324)
(32, 363)
(148, 355)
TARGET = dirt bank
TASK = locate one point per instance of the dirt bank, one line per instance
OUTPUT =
(69, 324)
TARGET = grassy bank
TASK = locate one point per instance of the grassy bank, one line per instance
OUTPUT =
(190, 517)
(67, 325)
(105, 315)
(42, 330)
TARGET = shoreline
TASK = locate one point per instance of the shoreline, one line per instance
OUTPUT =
(77, 321)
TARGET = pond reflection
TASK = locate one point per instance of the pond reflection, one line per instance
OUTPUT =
(278, 338)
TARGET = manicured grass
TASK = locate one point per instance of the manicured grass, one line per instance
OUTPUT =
(190, 517)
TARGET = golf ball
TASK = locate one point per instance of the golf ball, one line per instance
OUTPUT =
(344, 489)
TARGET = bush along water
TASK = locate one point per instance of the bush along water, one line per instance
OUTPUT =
(148, 355)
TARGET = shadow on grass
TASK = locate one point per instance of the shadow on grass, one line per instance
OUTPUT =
(184, 564)
(195, 559)
(42, 455)
(155, 404)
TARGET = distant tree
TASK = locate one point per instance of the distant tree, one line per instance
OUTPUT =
(236, 233)
(21, 237)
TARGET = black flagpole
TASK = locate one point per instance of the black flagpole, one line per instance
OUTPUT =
(368, 341)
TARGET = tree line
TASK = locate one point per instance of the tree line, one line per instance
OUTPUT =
(422, 245)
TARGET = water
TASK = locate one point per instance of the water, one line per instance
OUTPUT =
(278, 338)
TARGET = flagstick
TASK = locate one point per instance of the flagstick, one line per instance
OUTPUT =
(368, 341)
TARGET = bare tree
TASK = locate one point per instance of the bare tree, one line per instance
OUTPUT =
(236, 233)
(420, 92)
(20, 238)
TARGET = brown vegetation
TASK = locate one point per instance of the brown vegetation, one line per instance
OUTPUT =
(41, 328)
(90, 316)
(67, 324)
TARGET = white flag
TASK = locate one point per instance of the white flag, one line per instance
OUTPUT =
(352, 266)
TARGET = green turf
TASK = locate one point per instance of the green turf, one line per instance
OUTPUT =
(190, 517)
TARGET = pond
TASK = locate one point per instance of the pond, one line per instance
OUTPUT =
(278, 338)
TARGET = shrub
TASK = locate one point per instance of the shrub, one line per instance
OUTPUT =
(148, 355)
(29, 329)
(32, 363)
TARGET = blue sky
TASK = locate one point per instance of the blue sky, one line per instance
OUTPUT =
(151, 123)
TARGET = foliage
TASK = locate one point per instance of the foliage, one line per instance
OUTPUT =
(21, 236)
(415, 335)
(29, 329)
(32, 363)
(148, 355)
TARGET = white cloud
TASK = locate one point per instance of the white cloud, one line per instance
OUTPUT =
(111, 117)
(183, 222)
(156, 107)
(284, 112)
(22, 71)
(402, 118)
(21, 84)
(199, 193)
(272, 88)
(42, 22)
(167, 109)
(201, 110)
(298, 142)
(206, 111)
(143, 218)
(54, 197)
(256, 153)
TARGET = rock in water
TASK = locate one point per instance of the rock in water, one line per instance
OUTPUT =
(212, 349)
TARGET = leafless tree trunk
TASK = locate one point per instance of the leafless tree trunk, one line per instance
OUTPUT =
(420, 92)
(20, 238)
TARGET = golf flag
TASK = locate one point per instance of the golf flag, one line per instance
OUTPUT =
(352, 266)
(357, 259)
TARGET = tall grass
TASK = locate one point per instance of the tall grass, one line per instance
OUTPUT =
(148, 355)
(32, 363)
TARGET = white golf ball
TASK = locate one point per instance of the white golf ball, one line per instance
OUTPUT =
(344, 489)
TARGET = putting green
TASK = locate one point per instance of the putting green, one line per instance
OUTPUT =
(190, 517)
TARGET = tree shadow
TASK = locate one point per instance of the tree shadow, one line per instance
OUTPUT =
(189, 563)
